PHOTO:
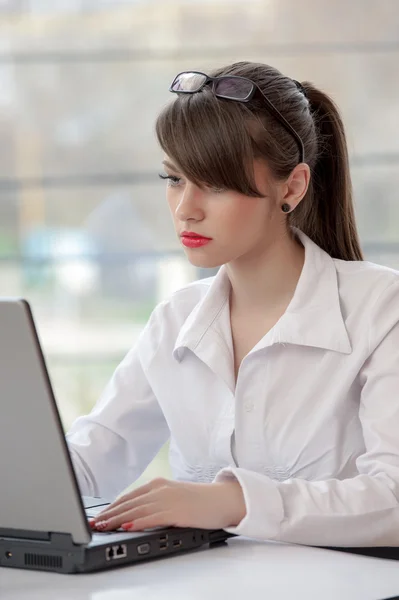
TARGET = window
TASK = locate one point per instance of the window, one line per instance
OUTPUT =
(85, 233)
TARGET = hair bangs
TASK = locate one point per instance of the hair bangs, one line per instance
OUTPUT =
(209, 141)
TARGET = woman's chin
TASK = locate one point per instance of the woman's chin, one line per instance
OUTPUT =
(203, 262)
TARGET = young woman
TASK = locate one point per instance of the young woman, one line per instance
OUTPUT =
(277, 381)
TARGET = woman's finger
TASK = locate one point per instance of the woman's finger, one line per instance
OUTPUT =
(128, 516)
(140, 491)
(122, 508)
(159, 519)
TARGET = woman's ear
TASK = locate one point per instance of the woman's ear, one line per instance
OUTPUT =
(296, 185)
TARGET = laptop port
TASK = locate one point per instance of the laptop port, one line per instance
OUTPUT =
(143, 548)
(177, 543)
(120, 551)
(163, 546)
(114, 552)
(163, 538)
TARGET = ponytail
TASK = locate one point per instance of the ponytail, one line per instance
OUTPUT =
(326, 213)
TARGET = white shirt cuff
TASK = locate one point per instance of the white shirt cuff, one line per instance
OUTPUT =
(263, 502)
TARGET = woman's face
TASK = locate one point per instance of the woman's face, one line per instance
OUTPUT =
(236, 225)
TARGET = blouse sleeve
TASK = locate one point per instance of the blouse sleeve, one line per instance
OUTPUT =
(112, 446)
(360, 511)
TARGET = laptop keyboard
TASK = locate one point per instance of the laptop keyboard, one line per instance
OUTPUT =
(94, 511)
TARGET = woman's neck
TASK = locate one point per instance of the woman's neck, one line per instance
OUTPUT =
(267, 279)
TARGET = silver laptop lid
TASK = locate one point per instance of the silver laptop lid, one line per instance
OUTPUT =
(39, 491)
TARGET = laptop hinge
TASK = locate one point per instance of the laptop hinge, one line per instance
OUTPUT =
(63, 541)
(59, 540)
(24, 534)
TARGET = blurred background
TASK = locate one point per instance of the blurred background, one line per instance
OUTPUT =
(85, 232)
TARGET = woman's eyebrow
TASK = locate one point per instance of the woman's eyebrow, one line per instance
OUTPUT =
(170, 165)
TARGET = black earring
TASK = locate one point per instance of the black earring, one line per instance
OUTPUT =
(286, 208)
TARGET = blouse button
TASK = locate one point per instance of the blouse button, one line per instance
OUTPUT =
(248, 406)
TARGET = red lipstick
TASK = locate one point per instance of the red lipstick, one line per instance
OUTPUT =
(194, 240)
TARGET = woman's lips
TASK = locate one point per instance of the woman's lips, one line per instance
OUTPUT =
(194, 242)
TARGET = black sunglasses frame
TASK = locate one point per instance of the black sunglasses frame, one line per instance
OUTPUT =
(255, 88)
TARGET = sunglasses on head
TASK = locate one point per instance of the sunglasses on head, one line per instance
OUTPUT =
(231, 87)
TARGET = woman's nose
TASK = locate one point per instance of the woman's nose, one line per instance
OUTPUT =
(190, 204)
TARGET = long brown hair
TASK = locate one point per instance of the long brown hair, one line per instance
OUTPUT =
(215, 142)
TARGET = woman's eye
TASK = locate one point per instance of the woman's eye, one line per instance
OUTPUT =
(172, 179)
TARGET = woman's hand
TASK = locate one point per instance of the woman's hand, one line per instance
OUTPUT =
(164, 503)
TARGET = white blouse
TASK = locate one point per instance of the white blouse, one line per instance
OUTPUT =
(315, 412)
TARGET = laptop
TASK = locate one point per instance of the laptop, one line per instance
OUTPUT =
(43, 518)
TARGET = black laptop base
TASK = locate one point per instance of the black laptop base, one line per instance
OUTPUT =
(57, 553)
(391, 552)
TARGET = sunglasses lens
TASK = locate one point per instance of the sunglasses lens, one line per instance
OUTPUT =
(188, 82)
(234, 88)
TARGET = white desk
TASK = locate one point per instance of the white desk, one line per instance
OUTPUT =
(242, 569)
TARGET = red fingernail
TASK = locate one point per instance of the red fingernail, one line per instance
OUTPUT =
(127, 526)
